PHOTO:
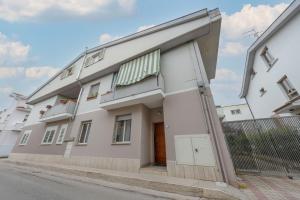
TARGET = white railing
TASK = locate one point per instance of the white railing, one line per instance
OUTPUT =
(59, 109)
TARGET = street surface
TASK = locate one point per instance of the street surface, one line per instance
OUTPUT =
(16, 184)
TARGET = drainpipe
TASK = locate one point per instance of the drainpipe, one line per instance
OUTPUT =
(249, 108)
(202, 82)
(80, 85)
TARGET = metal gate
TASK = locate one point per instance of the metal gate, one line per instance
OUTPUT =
(266, 146)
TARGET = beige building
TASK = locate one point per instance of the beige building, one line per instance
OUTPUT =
(135, 102)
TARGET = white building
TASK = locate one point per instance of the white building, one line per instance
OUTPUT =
(11, 123)
(234, 112)
(271, 82)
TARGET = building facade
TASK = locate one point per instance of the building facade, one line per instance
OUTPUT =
(271, 84)
(236, 112)
(138, 101)
(12, 120)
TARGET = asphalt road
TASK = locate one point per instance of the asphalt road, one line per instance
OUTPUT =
(16, 184)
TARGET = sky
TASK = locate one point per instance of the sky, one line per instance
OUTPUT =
(38, 38)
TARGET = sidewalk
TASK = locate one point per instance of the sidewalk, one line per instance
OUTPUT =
(271, 188)
(140, 182)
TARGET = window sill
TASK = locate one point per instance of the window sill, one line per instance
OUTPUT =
(46, 144)
(121, 143)
(91, 98)
(81, 144)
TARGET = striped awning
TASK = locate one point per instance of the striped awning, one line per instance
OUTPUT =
(139, 69)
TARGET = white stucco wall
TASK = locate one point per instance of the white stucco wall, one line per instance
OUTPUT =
(228, 116)
(177, 67)
(94, 104)
(284, 46)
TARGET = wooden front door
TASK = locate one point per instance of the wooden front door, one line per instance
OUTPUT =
(159, 144)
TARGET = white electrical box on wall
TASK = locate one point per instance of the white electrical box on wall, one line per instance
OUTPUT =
(194, 150)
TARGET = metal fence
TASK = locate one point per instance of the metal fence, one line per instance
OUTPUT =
(266, 146)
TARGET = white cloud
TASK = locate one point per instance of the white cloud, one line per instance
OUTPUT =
(224, 74)
(39, 72)
(105, 37)
(250, 17)
(6, 90)
(8, 72)
(141, 28)
(233, 49)
(12, 51)
(16, 10)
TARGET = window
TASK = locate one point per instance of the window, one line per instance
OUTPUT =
(122, 129)
(84, 132)
(25, 118)
(96, 57)
(267, 57)
(113, 81)
(62, 133)
(49, 135)
(67, 72)
(262, 91)
(93, 93)
(235, 112)
(287, 87)
(25, 137)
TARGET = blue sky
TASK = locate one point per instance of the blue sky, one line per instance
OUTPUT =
(37, 38)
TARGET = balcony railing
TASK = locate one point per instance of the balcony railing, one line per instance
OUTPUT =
(59, 112)
(134, 94)
(2, 126)
(18, 126)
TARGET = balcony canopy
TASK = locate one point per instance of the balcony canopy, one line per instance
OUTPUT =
(139, 69)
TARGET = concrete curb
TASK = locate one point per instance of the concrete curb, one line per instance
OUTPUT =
(136, 183)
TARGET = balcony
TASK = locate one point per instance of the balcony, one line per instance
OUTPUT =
(149, 92)
(18, 126)
(58, 112)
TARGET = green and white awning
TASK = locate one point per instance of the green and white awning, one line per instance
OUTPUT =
(139, 69)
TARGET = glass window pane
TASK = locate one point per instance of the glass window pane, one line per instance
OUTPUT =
(83, 132)
(87, 132)
(127, 131)
(46, 137)
(119, 131)
(51, 136)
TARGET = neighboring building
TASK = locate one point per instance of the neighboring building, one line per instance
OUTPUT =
(11, 123)
(134, 102)
(271, 79)
(234, 112)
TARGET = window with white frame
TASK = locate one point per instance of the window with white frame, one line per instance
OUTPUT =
(25, 137)
(236, 111)
(93, 93)
(114, 79)
(49, 135)
(62, 133)
(96, 57)
(84, 132)
(67, 72)
(287, 87)
(267, 57)
(122, 130)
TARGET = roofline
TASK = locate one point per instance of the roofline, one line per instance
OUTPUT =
(279, 22)
(240, 104)
(186, 18)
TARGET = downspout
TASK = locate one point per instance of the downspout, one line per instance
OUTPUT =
(249, 108)
(80, 85)
(201, 83)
